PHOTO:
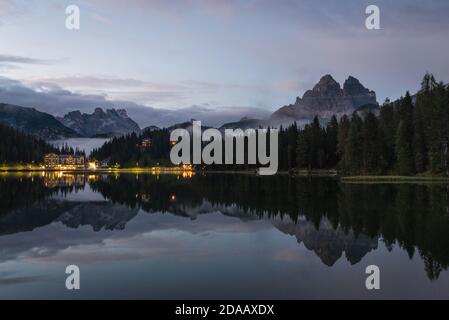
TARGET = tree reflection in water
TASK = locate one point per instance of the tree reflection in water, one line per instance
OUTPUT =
(329, 217)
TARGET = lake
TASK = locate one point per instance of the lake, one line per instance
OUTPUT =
(220, 236)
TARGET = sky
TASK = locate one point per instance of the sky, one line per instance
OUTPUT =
(228, 57)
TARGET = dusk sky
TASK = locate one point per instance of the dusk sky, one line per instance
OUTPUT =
(219, 53)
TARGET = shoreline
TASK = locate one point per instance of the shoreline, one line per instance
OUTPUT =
(296, 173)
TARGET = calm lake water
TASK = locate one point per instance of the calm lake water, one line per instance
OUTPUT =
(220, 237)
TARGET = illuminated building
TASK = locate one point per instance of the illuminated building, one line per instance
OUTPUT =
(146, 143)
(64, 161)
(93, 165)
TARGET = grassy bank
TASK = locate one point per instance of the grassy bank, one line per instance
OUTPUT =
(394, 179)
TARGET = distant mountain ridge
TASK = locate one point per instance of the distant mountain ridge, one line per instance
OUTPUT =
(327, 98)
(111, 122)
(39, 124)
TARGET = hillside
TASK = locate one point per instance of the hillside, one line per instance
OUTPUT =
(18, 147)
(29, 120)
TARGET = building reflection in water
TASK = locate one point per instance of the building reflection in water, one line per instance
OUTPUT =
(60, 179)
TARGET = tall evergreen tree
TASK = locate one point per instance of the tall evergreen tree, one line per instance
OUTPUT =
(304, 152)
(332, 142)
(343, 132)
(404, 138)
(419, 142)
(371, 145)
(387, 130)
(354, 145)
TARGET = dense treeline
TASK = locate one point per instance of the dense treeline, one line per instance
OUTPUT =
(409, 136)
(17, 147)
(66, 149)
(406, 138)
(127, 150)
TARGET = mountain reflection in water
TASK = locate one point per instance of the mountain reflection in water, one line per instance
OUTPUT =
(331, 219)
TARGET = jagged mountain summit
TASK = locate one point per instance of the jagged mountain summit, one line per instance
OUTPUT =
(107, 123)
(328, 98)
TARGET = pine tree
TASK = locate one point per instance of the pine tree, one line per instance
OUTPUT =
(387, 131)
(303, 150)
(343, 131)
(371, 148)
(331, 143)
(404, 138)
(419, 143)
(354, 145)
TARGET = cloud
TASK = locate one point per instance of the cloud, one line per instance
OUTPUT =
(173, 8)
(19, 59)
(17, 280)
(12, 8)
(143, 92)
(13, 62)
(53, 99)
(344, 17)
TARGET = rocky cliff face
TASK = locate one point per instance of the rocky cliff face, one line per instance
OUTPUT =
(100, 123)
(328, 98)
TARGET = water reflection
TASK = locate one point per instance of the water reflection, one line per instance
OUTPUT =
(330, 219)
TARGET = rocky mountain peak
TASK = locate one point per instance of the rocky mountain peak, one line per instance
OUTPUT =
(327, 98)
(75, 114)
(327, 85)
(122, 113)
(100, 123)
(98, 111)
(359, 94)
(353, 86)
